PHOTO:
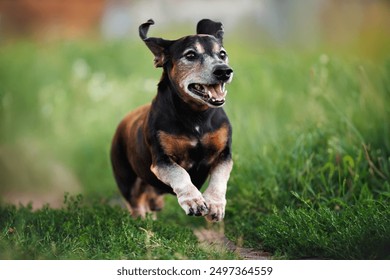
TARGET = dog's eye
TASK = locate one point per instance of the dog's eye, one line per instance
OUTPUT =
(190, 55)
(222, 55)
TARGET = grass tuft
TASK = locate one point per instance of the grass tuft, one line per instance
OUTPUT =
(357, 232)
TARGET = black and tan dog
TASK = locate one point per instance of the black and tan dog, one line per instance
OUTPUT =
(184, 136)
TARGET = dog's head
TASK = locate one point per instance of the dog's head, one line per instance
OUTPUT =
(197, 65)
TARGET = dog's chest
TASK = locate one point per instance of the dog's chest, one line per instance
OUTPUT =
(188, 151)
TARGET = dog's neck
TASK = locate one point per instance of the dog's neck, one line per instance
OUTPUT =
(186, 113)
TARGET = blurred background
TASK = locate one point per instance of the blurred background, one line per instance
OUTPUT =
(360, 23)
(69, 71)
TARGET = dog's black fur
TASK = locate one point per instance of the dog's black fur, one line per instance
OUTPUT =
(183, 131)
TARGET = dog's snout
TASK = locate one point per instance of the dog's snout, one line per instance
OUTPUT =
(223, 73)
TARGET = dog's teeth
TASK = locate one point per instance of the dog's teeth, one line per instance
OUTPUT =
(198, 87)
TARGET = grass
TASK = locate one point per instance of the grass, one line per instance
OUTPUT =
(360, 232)
(310, 147)
(96, 231)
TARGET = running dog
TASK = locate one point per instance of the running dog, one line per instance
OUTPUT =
(184, 136)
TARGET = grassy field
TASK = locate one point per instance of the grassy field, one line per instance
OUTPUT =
(311, 148)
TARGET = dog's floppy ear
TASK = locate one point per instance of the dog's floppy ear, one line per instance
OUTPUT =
(207, 26)
(158, 46)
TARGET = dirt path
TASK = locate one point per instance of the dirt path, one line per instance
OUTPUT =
(218, 240)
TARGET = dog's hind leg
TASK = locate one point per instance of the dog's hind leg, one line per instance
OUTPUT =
(145, 200)
(141, 198)
(124, 175)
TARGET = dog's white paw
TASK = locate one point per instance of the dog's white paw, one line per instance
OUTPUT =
(193, 203)
(216, 207)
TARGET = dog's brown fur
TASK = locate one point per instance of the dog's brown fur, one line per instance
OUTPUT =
(173, 144)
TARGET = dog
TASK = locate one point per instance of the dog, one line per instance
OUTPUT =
(184, 137)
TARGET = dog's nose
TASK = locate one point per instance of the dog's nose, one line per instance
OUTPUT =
(223, 73)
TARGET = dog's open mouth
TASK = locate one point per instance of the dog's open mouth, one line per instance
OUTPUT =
(212, 94)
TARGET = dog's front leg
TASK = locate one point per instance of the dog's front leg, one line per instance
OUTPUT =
(189, 197)
(215, 194)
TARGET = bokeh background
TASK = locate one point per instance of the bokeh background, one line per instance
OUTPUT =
(69, 71)
(361, 24)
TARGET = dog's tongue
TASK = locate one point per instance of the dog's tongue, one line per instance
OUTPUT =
(216, 91)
